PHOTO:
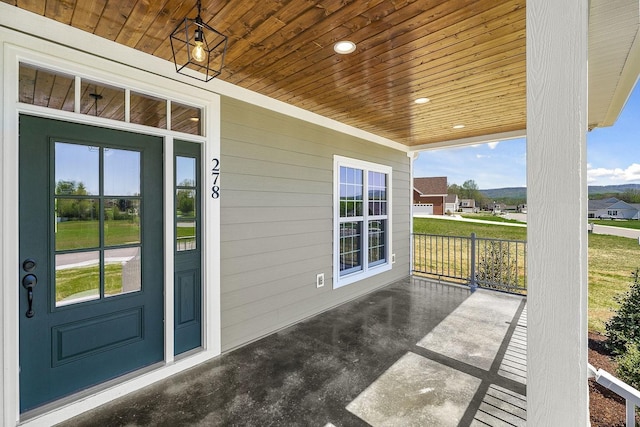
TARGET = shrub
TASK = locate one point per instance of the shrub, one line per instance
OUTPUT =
(496, 267)
(629, 366)
(624, 327)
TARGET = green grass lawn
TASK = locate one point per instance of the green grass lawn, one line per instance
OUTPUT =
(85, 234)
(461, 228)
(186, 232)
(611, 260)
(73, 281)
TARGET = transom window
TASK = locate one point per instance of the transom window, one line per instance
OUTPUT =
(53, 89)
(362, 220)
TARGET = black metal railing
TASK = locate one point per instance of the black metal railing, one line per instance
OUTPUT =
(489, 263)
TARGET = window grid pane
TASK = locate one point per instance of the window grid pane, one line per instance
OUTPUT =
(351, 192)
(350, 247)
(377, 244)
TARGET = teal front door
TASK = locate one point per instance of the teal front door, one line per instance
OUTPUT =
(91, 256)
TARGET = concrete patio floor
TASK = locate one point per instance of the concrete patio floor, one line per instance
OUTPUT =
(414, 353)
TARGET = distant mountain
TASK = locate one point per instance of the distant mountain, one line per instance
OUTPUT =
(521, 192)
(599, 189)
(506, 193)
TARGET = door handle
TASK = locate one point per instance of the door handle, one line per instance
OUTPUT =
(29, 282)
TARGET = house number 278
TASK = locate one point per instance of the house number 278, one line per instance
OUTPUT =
(215, 171)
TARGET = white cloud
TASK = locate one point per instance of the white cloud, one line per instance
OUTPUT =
(493, 144)
(482, 156)
(631, 173)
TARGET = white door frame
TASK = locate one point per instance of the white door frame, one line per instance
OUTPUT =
(18, 47)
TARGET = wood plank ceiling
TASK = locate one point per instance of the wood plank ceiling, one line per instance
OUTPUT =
(467, 57)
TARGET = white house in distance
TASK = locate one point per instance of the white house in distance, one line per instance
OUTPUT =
(613, 208)
(451, 203)
(227, 201)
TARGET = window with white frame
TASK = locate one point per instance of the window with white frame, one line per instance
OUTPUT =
(362, 220)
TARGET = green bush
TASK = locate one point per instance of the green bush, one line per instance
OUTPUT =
(496, 266)
(624, 327)
(629, 366)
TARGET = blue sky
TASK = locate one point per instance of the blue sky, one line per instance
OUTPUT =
(613, 156)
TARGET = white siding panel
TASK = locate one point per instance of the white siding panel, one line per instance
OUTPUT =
(277, 219)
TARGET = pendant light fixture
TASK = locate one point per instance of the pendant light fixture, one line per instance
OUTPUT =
(198, 49)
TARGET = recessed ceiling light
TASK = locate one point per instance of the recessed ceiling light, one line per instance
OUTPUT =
(422, 100)
(458, 126)
(194, 119)
(345, 46)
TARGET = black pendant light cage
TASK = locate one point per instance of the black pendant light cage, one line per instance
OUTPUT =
(205, 64)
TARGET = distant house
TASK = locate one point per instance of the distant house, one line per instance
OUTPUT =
(469, 206)
(496, 207)
(430, 192)
(451, 203)
(613, 208)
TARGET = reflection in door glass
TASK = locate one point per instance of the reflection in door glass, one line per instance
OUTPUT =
(186, 203)
(77, 169)
(77, 277)
(121, 172)
(121, 221)
(185, 235)
(76, 223)
(185, 171)
(122, 271)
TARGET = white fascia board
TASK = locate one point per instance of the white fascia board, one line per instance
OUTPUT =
(473, 140)
(626, 83)
(29, 23)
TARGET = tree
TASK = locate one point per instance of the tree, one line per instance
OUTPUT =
(185, 202)
(470, 191)
(624, 327)
(454, 189)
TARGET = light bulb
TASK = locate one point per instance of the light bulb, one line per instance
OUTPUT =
(198, 53)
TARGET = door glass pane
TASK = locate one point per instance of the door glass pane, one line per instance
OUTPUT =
(185, 203)
(185, 220)
(122, 273)
(121, 222)
(185, 171)
(77, 277)
(77, 169)
(185, 235)
(76, 223)
(121, 172)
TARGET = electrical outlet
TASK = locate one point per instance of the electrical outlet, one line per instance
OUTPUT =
(319, 280)
(393, 258)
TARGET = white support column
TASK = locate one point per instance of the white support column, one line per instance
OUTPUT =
(557, 392)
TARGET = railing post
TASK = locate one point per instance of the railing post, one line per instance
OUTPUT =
(472, 264)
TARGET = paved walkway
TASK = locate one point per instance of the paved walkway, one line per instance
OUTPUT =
(415, 353)
(463, 219)
(616, 231)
